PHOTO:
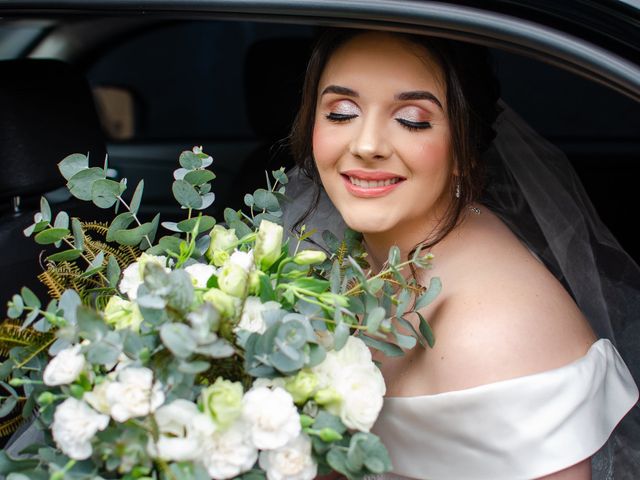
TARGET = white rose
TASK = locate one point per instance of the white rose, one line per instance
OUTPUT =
(65, 367)
(132, 275)
(291, 462)
(272, 417)
(134, 394)
(180, 428)
(362, 389)
(354, 352)
(228, 453)
(200, 273)
(232, 280)
(74, 425)
(251, 319)
(242, 259)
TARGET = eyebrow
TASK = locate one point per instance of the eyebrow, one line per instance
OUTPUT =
(414, 95)
(337, 89)
(419, 95)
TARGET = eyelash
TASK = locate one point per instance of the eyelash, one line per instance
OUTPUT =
(409, 125)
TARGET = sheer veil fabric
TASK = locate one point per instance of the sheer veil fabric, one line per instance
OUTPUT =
(532, 186)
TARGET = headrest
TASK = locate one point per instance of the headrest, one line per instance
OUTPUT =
(274, 74)
(46, 113)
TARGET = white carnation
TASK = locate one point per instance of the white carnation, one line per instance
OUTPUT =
(251, 319)
(65, 367)
(291, 462)
(228, 453)
(242, 259)
(97, 398)
(181, 427)
(272, 417)
(134, 394)
(200, 273)
(132, 275)
(74, 425)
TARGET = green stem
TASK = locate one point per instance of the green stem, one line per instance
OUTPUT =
(135, 217)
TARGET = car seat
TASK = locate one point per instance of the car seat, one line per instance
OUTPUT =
(46, 113)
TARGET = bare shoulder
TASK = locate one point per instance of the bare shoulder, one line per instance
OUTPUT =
(502, 313)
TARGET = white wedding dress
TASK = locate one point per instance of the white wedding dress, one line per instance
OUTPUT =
(520, 428)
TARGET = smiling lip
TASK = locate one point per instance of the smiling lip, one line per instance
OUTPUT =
(366, 184)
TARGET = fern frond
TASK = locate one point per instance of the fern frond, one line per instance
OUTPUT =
(342, 252)
(100, 227)
(8, 426)
(13, 335)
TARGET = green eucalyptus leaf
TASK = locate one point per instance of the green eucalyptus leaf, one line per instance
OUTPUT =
(90, 324)
(389, 349)
(199, 177)
(403, 302)
(230, 216)
(405, 342)
(374, 285)
(332, 242)
(374, 319)
(242, 230)
(190, 160)
(218, 349)
(337, 460)
(207, 200)
(206, 224)
(170, 244)
(78, 234)
(65, 255)
(121, 222)
(51, 235)
(186, 194)
(113, 271)
(81, 184)
(334, 277)
(104, 193)
(280, 176)
(394, 256)
(407, 325)
(72, 164)
(248, 200)
(193, 368)
(16, 307)
(340, 335)
(62, 220)
(7, 405)
(265, 200)
(435, 286)
(45, 209)
(33, 315)
(103, 352)
(133, 236)
(151, 236)
(357, 269)
(425, 330)
(134, 206)
(30, 298)
(179, 339)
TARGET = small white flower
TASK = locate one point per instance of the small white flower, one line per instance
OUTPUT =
(242, 259)
(65, 367)
(251, 319)
(134, 394)
(268, 244)
(74, 425)
(180, 427)
(291, 462)
(272, 417)
(275, 382)
(132, 275)
(200, 273)
(228, 453)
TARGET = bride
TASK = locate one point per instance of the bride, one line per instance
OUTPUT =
(397, 130)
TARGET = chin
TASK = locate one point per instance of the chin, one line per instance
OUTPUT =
(368, 224)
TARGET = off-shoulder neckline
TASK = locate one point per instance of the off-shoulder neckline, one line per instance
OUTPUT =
(599, 345)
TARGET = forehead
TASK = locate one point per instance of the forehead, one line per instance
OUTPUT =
(375, 58)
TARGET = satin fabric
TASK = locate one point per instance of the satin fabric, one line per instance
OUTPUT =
(519, 428)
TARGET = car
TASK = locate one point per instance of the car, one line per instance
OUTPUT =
(165, 75)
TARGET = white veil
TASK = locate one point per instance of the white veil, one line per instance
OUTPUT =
(532, 186)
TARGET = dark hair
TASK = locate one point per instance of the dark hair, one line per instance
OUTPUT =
(472, 94)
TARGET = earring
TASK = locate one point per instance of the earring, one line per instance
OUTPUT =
(458, 190)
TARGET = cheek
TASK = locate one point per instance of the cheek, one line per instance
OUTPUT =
(432, 157)
(324, 149)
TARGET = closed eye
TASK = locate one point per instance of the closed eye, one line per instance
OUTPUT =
(413, 126)
(339, 117)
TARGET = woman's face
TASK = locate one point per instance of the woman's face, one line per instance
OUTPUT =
(381, 137)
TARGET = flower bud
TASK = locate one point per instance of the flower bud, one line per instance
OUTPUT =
(224, 303)
(306, 421)
(222, 401)
(301, 386)
(268, 244)
(46, 398)
(309, 257)
(329, 435)
(222, 240)
(327, 396)
(232, 279)
(254, 282)
(334, 299)
(121, 314)
(219, 257)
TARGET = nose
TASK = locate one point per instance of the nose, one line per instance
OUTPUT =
(370, 141)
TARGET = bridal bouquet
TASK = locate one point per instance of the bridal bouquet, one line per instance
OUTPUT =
(219, 351)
